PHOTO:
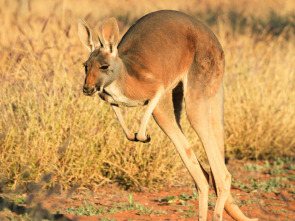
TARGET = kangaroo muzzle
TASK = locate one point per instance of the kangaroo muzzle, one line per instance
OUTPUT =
(89, 90)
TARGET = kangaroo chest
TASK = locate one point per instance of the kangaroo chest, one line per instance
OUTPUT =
(114, 94)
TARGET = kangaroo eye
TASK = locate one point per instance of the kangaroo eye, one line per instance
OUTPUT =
(104, 67)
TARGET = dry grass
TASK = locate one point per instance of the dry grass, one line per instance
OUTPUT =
(50, 133)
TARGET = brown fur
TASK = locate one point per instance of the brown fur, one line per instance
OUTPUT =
(164, 58)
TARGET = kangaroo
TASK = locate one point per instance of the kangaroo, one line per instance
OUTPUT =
(164, 58)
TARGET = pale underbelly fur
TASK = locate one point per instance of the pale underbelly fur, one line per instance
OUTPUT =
(116, 96)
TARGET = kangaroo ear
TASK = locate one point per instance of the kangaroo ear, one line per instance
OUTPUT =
(110, 36)
(85, 35)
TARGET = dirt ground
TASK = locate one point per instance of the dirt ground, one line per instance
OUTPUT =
(262, 190)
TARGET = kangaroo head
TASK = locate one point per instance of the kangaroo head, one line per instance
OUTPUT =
(103, 65)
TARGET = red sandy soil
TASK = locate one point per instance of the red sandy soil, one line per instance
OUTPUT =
(265, 205)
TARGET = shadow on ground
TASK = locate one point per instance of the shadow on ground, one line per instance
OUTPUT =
(36, 212)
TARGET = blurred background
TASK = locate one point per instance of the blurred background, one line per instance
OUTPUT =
(48, 128)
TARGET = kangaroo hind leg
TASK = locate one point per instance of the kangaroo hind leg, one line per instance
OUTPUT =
(167, 115)
(199, 108)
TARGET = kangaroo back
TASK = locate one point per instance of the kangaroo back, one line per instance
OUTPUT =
(165, 44)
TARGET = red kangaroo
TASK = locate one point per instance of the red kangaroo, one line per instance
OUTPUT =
(164, 58)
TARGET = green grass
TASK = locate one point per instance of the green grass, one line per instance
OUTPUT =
(277, 167)
(280, 171)
(274, 184)
(189, 213)
(90, 209)
(107, 219)
(20, 200)
(87, 209)
(212, 201)
(182, 201)
(12, 217)
(245, 202)
(182, 197)
(277, 211)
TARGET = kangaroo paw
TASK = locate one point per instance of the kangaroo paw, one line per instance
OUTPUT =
(142, 139)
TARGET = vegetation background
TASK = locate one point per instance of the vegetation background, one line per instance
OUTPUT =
(51, 134)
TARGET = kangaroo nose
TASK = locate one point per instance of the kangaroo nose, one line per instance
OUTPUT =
(88, 90)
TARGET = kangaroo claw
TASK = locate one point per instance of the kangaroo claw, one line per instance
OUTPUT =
(146, 140)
